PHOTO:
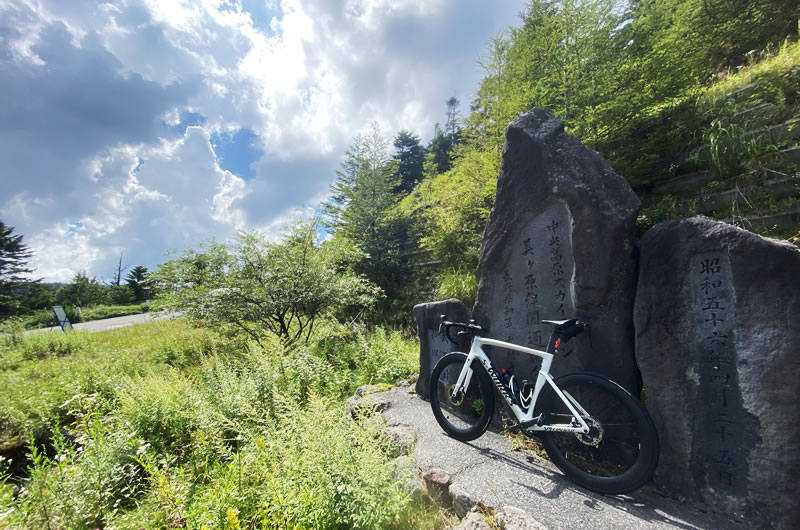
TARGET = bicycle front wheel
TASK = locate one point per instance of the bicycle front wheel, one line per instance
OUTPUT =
(463, 413)
(620, 452)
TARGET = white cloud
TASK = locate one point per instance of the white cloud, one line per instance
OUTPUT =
(94, 164)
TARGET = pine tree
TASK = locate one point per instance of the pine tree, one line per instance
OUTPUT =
(137, 281)
(409, 156)
(14, 256)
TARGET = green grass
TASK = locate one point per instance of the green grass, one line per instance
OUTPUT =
(162, 425)
(771, 65)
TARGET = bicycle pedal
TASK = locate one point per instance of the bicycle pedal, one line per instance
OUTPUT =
(517, 427)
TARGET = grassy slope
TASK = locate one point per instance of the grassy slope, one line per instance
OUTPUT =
(762, 94)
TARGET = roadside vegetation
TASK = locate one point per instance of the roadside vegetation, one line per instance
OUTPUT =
(169, 425)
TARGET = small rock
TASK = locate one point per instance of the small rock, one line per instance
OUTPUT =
(401, 439)
(512, 518)
(474, 521)
(364, 390)
(437, 481)
(359, 407)
(406, 474)
(462, 502)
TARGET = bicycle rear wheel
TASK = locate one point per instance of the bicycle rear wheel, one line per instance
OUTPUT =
(619, 454)
(466, 415)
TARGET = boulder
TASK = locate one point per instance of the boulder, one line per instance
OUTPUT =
(437, 481)
(559, 243)
(433, 346)
(718, 345)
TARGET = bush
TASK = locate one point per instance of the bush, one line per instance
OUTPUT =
(459, 284)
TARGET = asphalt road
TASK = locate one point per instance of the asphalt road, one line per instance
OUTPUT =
(492, 471)
(113, 323)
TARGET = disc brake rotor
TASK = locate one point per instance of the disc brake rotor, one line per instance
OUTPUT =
(456, 400)
(594, 436)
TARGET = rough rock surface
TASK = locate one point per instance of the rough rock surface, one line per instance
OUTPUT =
(510, 517)
(438, 483)
(365, 402)
(559, 243)
(401, 439)
(718, 344)
(473, 521)
(432, 346)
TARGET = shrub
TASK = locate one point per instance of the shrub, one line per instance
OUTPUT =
(459, 284)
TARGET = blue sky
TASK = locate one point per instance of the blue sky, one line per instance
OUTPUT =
(146, 126)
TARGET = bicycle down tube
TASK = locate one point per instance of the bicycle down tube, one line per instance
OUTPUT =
(524, 417)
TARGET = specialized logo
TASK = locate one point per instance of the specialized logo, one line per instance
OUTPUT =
(503, 389)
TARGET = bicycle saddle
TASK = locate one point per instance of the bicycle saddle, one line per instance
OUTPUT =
(560, 323)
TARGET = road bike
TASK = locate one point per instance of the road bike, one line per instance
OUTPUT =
(594, 430)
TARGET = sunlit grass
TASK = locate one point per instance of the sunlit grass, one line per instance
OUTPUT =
(163, 424)
(765, 65)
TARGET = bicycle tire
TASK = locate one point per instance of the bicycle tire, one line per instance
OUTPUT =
(467, 416)
(620, 453)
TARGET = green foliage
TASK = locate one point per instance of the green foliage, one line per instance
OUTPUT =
(121, 295)
(14, 256)
(253, 285)
(730, 148)
(82, 292)
(667, 208)
(459, 284)
(409, 156)
(452, 208)
(138, 283)
(238, 435)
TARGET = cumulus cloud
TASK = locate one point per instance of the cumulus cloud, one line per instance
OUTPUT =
(109, 108)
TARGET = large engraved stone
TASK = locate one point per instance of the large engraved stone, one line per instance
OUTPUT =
(718, 344)
(559, 243)
(433, 346)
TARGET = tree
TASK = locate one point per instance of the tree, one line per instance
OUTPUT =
(14, 256)
(259, 285)
(409, 157)
(116, 278)
(439, 156)
(451, 127)
(342, 190)
(82, 292)
(137, 281)
(490, 112)
(121, 294)
(366, 219)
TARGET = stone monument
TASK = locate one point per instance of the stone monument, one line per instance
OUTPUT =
(433, 346)
(558, 244)
(718, 343)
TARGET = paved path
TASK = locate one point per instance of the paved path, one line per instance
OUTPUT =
(490, 470)
(112, 323)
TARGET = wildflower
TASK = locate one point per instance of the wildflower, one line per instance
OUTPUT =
(232, 519)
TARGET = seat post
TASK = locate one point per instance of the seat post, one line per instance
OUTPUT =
(551, 343)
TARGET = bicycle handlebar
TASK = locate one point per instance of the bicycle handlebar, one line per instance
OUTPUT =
(471, 329)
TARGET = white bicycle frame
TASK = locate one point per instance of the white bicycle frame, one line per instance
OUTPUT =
(524, 417)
